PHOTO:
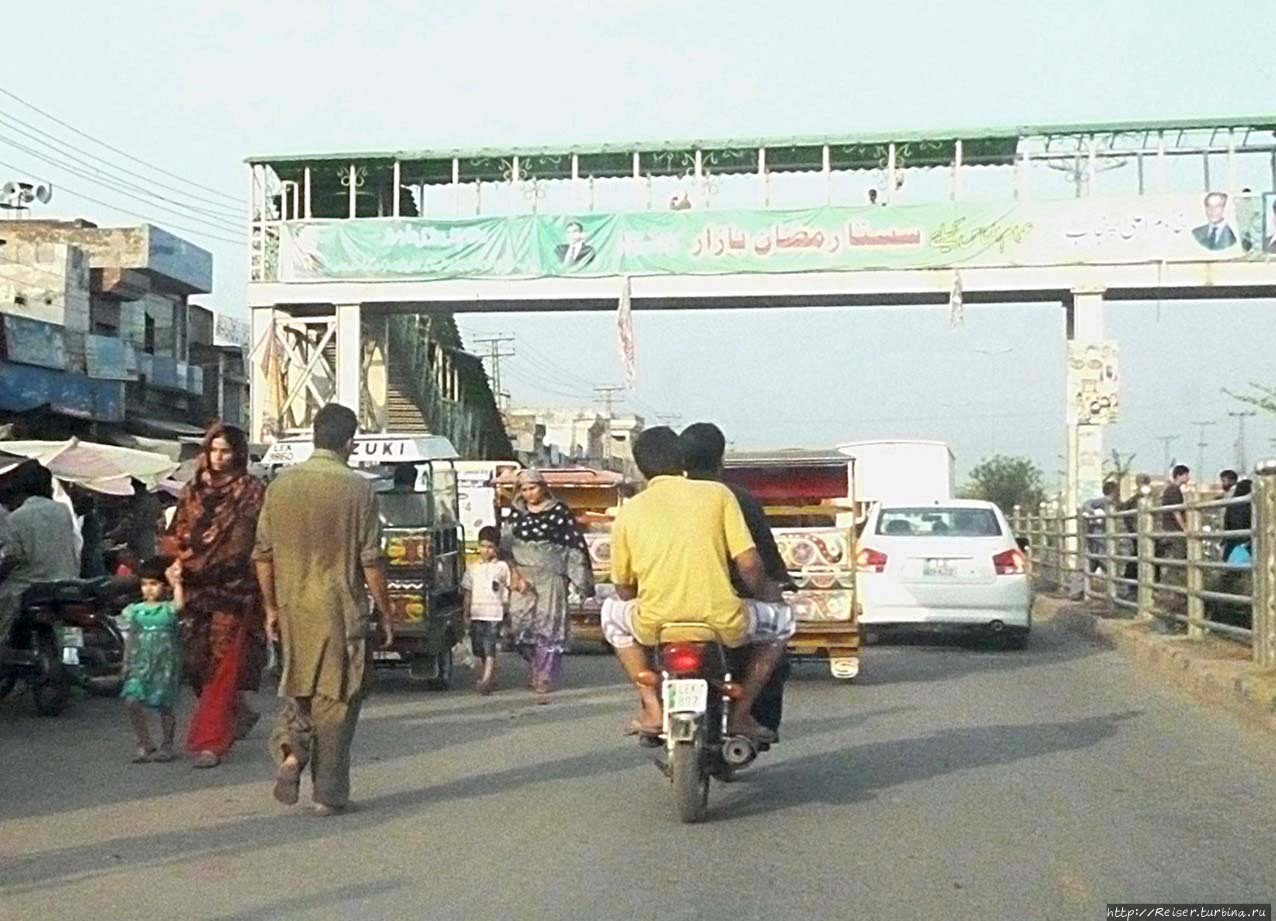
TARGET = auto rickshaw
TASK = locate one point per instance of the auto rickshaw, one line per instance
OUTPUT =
(416, 482)
(593, 496)
(809, 499)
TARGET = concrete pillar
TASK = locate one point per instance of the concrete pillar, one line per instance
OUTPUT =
(263, 319)
(349, 354)
(1084, 441)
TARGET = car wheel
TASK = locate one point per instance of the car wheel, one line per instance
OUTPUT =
(1016, 639)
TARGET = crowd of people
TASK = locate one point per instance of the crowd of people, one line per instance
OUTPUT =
(236, 565)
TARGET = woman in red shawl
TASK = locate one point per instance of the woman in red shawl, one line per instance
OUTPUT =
(223, 630)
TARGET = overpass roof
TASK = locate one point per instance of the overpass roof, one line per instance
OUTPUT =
(1259, 122)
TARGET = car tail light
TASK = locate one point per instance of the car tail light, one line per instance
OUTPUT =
(681, 659)
(870, 560)
(1009, 563)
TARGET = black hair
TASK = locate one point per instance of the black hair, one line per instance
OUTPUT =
(155, 569)
(1111, 488)
(1228, 474)
(29, 478)
(334, 426)
(657, 452)
(489, 533)
(702, 445)
(1180, 470)
(404, 476)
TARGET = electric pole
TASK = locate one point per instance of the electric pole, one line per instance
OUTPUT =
(494, 355)
(1200, 449)
(607, 396)
(1240, 416)
(1166, 441)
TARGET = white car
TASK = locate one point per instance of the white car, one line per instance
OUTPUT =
(950, 563)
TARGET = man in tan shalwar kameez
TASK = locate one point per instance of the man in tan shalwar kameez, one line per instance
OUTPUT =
(318, 555)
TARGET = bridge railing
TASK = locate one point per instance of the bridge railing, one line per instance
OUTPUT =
(1194, 579)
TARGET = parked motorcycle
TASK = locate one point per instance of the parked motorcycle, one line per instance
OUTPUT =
(697, 691)
(66, 636)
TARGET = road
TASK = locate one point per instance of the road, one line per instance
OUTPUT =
(945, 783)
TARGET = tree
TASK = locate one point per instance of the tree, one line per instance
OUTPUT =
(1261, 397)
(1006, 481)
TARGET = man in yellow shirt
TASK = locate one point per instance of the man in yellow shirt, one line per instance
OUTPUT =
(671, 549)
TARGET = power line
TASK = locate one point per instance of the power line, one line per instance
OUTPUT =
(1201, 445)
(1240, 416)
(69, 150)
(1166, 441)
(495, 355)
(123, 153)
(129, 188)
(607, 396)
(145, 217)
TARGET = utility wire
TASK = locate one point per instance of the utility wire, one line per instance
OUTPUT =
(130, 188)
(123, 153)
(43, 137)
(122, 210)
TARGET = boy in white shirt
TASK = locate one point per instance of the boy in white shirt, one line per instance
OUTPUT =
(485, 592)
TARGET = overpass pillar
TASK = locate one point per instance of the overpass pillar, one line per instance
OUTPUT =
(1084, 475)
(349, 355)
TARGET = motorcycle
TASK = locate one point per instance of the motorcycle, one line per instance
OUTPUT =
(65, 635)
(697, 691)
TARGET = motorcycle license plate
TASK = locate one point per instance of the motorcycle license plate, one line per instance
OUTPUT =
(686, 695)
(73, 637)
(70, 655)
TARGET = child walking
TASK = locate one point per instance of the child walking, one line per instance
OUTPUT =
(485, 592)
(152, 658)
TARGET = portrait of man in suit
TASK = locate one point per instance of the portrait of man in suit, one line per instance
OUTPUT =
(575, 251)
(1215, 234)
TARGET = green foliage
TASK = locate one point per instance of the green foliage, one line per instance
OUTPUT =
(1007, 481)
(1261, 397)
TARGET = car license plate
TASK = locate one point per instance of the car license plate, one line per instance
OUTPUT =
(686, 695)
(385, 655)
(938, 569)
(72, 636)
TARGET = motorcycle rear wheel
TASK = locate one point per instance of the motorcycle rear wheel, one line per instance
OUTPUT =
(51, 689)
(690, 782)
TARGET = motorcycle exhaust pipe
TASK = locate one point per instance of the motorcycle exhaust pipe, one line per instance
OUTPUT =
(738, 751)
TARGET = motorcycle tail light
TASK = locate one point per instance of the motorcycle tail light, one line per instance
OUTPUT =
(681, 659)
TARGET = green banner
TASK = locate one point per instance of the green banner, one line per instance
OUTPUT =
(1084, 231)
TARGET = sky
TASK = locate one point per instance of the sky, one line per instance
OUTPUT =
(195, 92)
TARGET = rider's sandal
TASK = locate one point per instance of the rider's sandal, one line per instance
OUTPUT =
(163, 754)
(144, 755)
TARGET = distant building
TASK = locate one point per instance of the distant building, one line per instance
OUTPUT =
(555, 437)
(99, 338)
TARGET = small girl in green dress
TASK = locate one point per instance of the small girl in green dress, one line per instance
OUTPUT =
(152, 658)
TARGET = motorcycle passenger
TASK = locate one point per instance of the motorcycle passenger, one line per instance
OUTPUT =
(703, 448)
(37, 539)
(672, 547)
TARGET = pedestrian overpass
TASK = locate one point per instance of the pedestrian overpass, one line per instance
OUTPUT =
(344, 245)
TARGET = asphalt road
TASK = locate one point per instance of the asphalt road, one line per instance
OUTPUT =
(945, 783)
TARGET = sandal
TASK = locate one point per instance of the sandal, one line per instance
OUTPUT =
(206, 760)
(288, 783)
(637, 728)
(143, 755)
(163, 754)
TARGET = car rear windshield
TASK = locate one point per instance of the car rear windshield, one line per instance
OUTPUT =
(938, 522)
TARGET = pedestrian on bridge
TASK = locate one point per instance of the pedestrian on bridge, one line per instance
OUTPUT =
(318, 556)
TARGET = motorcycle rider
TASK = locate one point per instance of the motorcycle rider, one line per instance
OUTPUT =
(37, 539)
(703, 448)
(672, 547)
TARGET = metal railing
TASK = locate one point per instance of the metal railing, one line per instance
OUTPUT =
(1177, 563)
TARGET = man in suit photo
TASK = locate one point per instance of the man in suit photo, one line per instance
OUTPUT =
(1216, 233)
(575, 251)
